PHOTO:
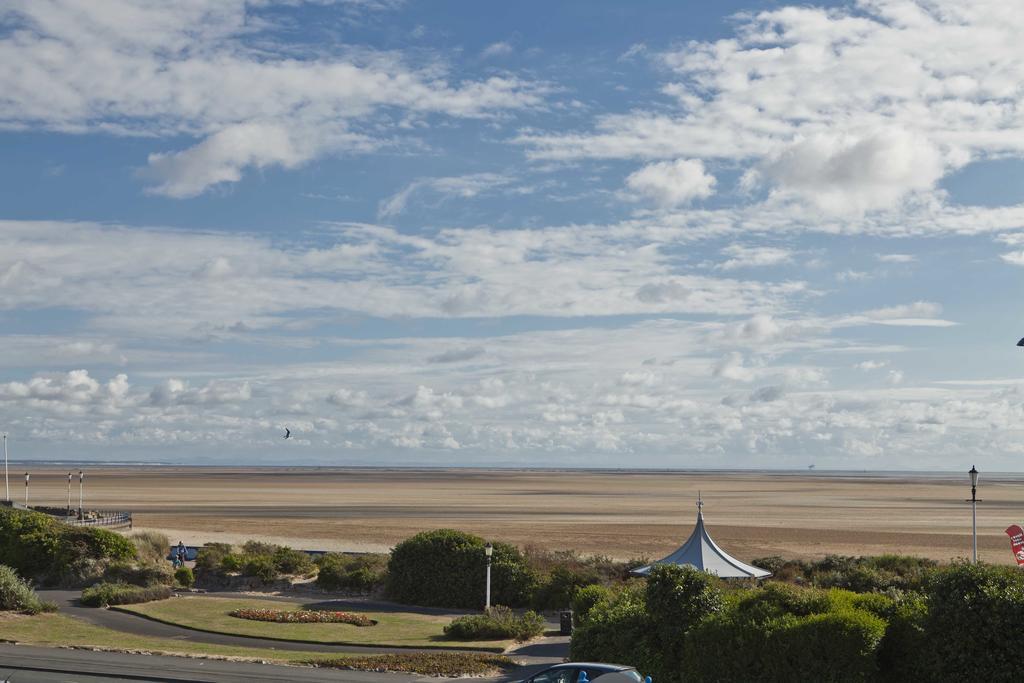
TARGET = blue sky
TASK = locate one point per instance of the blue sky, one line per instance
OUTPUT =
(657, 234)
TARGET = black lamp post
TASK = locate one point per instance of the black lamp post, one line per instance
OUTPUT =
(488, 551)
(974, 510)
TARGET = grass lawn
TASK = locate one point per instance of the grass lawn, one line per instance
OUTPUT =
(60, 630)
(57, 630)
(396, 629)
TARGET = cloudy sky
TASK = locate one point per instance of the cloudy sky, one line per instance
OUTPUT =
(587, 233)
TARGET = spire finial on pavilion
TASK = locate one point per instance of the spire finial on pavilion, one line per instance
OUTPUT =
(700, 504)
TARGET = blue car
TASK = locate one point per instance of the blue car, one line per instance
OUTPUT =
(571, 673)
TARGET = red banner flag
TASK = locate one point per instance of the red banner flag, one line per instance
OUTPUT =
(1016, 535)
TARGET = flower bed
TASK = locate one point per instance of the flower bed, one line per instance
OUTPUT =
(303, 617)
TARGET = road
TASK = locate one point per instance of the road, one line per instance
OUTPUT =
(26, 664)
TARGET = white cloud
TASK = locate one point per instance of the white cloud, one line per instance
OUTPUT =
(499, 49)
(854, 173)
(143, 68)
(672, 183)
(896, 258)
(462, 187)
(871, 365)
(848, 110)
(754, 257)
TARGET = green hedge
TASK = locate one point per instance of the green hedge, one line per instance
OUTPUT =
(446, 568)
(46, 550)
(361, 573)
(496, 624)
(781, 633)
(104, 594)
(974, 626)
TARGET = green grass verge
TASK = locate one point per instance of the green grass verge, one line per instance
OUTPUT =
(393, 629)
(58, 630)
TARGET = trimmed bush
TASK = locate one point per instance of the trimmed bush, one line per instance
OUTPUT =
(776, 634)
(361, 574)
(145, 575)
(446, 568)
(105, 594)
(496, 624)
(16, 595)
(973, 629)
(183, 576)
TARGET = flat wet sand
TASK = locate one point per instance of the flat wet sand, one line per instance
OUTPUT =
(621, 514)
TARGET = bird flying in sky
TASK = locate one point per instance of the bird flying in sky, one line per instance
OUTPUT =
(287, 433)
(1020, 343)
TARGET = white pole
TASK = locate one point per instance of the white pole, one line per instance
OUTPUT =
(7, 482)
(26, 489)
(487, 606)
(974, 524)
(69, 494)
(81, 480)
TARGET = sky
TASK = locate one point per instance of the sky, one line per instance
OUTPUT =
(742, 234)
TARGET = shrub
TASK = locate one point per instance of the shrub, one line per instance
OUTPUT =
(302, 617)
(904, 638)
(150, 546)
(15, 594)
(556, 590)
(775, 633)
(211, 555)
(44, 549)
(837, 646)
(104, 594)
(860, 574)
(584, 600)
(258, 548)
(362, 573)
(262, 567)
(496, 624)
(183, 576)
(616, 630)
(677, 599)
(446, 568)
(145, 575)
(231, 563)
(973, 629)
(294, 562)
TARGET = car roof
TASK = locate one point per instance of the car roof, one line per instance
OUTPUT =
(593, 665)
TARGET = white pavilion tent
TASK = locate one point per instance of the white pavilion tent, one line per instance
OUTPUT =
(701, 552)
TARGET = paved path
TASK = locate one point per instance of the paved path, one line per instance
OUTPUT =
(546, 651)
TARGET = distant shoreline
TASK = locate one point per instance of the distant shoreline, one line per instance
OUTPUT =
(932, 475)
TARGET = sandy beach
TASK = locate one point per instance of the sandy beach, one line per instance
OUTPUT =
(621, 514)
